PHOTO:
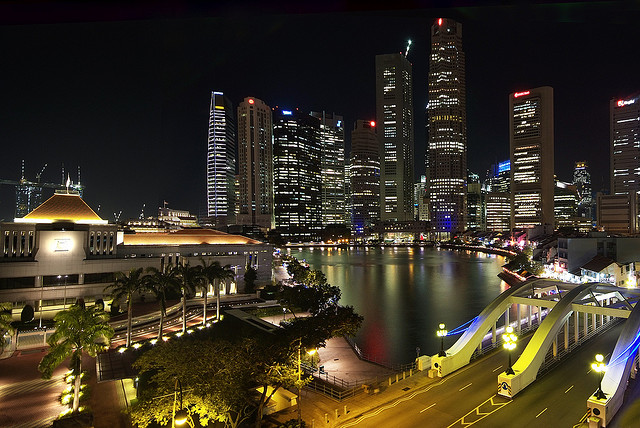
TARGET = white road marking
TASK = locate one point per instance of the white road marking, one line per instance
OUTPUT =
(464, 387)
(545, 409)
(497, 368)
(427, 408)
(568, 389)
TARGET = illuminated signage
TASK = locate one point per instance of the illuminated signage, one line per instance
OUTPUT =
(339, 123)
(439, 21)
(520, 94)
(251, 101)
(61, 245)
(372, 123)
(622, 103)
(504, 166)
(287, 112)
(220, 107)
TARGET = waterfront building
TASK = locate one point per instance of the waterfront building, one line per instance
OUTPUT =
(333, 168)
(63, 251)
(531, 144)
(394, 112)
(221, 160)
(255, 164)
(297, 171)
(498, 211)
(475, 203)
(364, 172)
(582, 181)
(447, 129)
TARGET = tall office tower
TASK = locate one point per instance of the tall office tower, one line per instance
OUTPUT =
(499, 179)
(347, 194)
(394, 111)
(531, 144)
(297, 175)
(221, 160)
(333, 171)
(582, 181)
(447, 128)
(365, 177)
(255, 164)
(420, 203)
(624, 117)
(475, 203)
(498, 198)
(565, 204)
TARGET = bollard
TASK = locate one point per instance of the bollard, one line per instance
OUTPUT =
(326, 417)
(403, 375)
(389, 381)
(345, 409)
(396, 377)
(313, 423)
(410, 372)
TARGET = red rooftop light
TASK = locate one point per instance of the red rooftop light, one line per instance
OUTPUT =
(520, 94)
(439, 21)
(372, 123)
(251, 101)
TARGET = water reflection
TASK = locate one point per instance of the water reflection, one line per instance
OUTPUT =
(404, 293)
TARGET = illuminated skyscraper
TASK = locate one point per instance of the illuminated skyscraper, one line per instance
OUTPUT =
(297, 175)
(394, 111)
(498, 198)
(582, 181)
(221, 160)
(531, 144)
(625, 145)
(255, 164)
(364, 174)
(333, 171)
(447, 128)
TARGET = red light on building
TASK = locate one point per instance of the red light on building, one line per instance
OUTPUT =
(521, 94)
(372, 123)
(439, 21)
(251, 101)
(620, 103)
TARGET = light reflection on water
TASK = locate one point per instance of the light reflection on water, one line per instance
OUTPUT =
(404, 293)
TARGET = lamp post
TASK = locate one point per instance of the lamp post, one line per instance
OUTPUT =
(312, 353)
(299, 389)
(441, 334)
(599, 367)
(181, 416)
(509, 339)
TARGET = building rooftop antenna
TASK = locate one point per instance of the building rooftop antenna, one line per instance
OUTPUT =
(406, 53)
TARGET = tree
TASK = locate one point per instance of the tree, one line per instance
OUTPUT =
(5, 322)
(159, 282)
(250, 276)
(215, 274)
(126, 285)
(78, 330)
(190, 278)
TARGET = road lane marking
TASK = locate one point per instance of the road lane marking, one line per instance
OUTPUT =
(497, 368)
(568, 389)
(465, 387)
(545, 409)
(473, 414)
(427, 408)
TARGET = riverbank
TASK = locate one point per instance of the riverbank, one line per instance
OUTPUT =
(479, 249)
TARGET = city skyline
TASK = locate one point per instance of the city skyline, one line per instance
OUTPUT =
(127, 100)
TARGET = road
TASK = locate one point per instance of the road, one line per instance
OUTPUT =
(468, 396)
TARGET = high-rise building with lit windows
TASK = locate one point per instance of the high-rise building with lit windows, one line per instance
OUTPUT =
(333, 171)
(624, 117)
(531, 145)
(255, 164)
(364, 172)
(221, 160)
(447, 129)
(297, 175)
(582, 181)
(394, 112)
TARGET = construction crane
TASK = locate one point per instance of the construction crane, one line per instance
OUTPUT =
(29, 193)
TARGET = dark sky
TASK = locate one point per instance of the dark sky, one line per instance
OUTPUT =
(124, 93)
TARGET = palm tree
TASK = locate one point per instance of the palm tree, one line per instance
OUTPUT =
(190, 278)
(78, 330)
(5, 322)
(159, 282)
(125, 286)
(215, 273)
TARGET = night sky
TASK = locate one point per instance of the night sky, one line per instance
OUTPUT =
(124, 93)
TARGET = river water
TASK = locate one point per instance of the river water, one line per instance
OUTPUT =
(404, 293)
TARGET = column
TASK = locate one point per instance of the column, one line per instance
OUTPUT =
(518, 317)
(506, 317)
(566, 334)
(595, 321)
(539, 315)
(555, 346)
(576, 326)
(586, 323)
(493, 333)
(529, 316)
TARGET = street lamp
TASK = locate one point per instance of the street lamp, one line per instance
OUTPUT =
(509, 339)
(181, 416)
(441, 334)
(312, 353)
(599, 367)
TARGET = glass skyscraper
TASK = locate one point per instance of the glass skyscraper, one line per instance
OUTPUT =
(364, 174)
(447, 128)
(221, 160)
(394, 111)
